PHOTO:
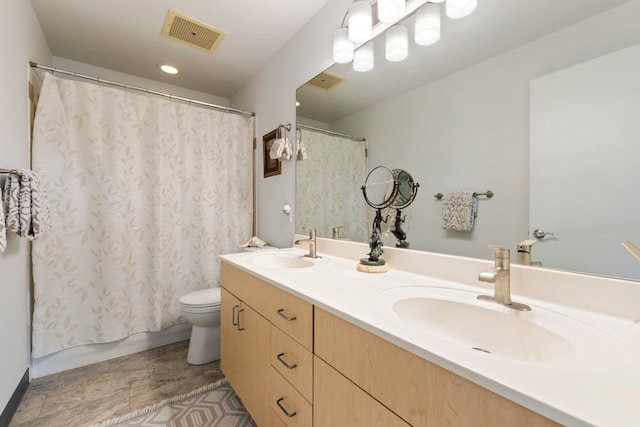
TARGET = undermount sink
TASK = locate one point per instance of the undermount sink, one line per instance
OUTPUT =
(277, 259)
(540, 335)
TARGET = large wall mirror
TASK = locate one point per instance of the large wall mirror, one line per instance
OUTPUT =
(519, 98)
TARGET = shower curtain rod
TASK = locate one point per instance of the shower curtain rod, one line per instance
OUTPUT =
(126, 86)
(328, 132)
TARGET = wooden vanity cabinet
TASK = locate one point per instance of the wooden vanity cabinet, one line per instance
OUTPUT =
(418, 391)
(244, 357)
(281, 393)
(339, 402)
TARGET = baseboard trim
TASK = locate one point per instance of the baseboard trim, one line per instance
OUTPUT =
(16, 397)
(93, 353)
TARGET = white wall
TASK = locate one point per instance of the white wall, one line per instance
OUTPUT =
(21, 40)
(472, 126)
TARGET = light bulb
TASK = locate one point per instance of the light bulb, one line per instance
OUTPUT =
(390, 11)
(427, 29)
(359, 21)
(342, 46)
(397, 43)
(363, 57)
(456, 9)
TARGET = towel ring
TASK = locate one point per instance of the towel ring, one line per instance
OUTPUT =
(286, 127)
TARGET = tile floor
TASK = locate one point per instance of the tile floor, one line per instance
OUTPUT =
(87, 395)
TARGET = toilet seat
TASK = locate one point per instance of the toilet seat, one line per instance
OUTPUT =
(203, 298)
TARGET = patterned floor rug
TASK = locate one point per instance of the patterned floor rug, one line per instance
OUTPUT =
(212, 405)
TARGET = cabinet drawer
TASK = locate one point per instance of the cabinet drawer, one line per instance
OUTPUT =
(339, 402)
(419, 391)
(290, 406)
(292, 361)
(289, 313)
(292, 315)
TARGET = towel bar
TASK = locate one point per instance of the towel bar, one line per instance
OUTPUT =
(489, 195)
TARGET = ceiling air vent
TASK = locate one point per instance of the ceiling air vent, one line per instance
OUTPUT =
(326, 80)
(191, 32)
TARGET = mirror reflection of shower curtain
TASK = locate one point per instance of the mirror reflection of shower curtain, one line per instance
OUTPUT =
(144, 193)
(328, 185)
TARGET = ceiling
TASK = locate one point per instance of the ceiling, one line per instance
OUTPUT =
(124, 35)
(496, 26)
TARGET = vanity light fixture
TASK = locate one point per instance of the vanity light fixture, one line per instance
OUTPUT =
(363, 57)
(342, 46)
(391, 11)
(397, 43)
(427, 25)
(169, 69)
(457, 9)
(360, 26)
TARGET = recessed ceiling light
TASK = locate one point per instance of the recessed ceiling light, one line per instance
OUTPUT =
(169, 69)
(297, 103)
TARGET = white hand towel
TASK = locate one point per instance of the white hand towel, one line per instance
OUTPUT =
(276, 149)
(281, 149)
(254, 242)
(459, 210)
(302, 151)
(287, 151)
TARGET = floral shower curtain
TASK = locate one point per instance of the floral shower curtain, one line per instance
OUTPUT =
(328, 185)
(144, 194)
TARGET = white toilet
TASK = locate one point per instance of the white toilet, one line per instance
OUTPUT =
(202, 310)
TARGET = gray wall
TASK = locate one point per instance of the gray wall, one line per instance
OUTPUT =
(21, 40)
(470, 131)
(490, 126)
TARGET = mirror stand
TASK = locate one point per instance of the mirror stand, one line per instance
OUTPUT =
(380, 191)
(398, 231)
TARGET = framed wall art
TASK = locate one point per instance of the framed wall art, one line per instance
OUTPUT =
(271, 166)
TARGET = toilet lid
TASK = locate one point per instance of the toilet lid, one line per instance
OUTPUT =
(202, 298)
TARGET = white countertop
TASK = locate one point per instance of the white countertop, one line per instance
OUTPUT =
(601, 386)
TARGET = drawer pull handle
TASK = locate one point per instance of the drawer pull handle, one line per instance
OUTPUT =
(286, 365)
(239, 327)
(233, 315)
(288, 414)
(284, 316)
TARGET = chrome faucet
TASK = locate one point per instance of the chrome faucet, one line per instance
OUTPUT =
(336, 232)
(524, 253)
(501, 278)
(312, 244)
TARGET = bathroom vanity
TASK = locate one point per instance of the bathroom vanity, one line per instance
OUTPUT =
(315, 342)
